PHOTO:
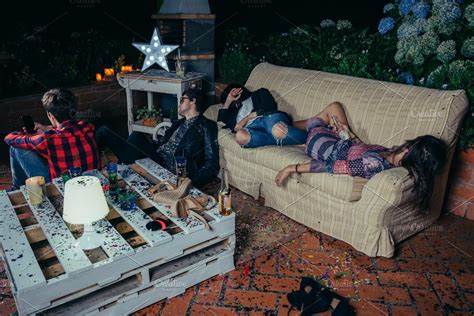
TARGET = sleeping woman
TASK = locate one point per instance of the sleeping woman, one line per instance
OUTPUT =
(335, 148)
(254, 117)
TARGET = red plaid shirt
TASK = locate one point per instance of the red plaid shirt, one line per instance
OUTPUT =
(68, 145)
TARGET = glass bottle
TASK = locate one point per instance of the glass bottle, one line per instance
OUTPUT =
(225, 196)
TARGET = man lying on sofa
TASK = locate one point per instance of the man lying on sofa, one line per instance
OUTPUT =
(336, 149)
(193, 136)
(51, 149)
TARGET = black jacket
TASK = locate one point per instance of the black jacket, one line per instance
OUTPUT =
(200, 147)
(262, 101)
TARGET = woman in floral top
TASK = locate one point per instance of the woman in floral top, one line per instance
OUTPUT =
(334, 148)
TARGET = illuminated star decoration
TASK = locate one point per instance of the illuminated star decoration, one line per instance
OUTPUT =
(155, 52)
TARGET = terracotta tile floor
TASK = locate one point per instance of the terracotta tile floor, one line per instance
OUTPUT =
(431, 274)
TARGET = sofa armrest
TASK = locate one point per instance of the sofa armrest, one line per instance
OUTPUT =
(212, 111)
(386, 194)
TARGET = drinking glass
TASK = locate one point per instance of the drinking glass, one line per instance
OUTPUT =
(65, 175)
(180, 169)
(111, 168)
(75, 171)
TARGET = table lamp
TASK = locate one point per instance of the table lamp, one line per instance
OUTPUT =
(84, 203)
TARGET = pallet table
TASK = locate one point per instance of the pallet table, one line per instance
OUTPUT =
(133, 268)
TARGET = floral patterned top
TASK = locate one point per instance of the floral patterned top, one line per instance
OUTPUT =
(332, 154)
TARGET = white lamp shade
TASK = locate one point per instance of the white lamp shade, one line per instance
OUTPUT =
(84, 201)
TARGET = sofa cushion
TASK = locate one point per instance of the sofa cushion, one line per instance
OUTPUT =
(275, 157)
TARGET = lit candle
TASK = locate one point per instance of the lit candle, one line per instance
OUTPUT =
(109, 72)
(98, 77)
(35, 189)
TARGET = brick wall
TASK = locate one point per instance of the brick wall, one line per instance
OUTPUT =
(97, 100)
(460, 191)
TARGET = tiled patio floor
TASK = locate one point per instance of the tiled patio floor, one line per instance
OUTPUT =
(431, 274)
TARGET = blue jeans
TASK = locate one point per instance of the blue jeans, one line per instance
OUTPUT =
(26, 163)
(260, 131)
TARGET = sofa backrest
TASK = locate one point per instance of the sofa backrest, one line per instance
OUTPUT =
(379, 112)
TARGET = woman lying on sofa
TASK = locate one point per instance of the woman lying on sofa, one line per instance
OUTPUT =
(334, 148)
(255, 118)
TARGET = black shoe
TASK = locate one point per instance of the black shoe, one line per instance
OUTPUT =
(311, 298)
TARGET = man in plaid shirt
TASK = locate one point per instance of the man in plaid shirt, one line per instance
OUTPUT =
(55, 148)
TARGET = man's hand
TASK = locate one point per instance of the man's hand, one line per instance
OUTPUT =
(40, 128)
(233, 95)
(283, 174)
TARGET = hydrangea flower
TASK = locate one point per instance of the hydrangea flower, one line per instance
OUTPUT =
(467, 48)
(446, 51)
(388, 7)
(386, 24)
(449, 12)
(421, 10)
(460, 73)
(406, 30)
(343, 24)
(406, 6)
(437, 77)
(420, 25)
(408, 78)
(327, 23)
(429, 42)
(469, 14)
(436, 24)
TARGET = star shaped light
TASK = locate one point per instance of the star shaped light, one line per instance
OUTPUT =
(155, 52)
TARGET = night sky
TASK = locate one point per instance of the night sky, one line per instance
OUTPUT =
(132, 19)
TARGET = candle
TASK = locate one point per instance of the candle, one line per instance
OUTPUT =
(35, 189)
(98, 77)
(127, 68)
(108, 72)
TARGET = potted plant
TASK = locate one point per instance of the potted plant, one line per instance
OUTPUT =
(150, 117)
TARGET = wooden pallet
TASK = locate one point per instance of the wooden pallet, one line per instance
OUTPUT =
(132, 269)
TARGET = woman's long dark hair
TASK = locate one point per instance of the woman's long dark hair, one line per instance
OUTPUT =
(425, 159)
(245, 92)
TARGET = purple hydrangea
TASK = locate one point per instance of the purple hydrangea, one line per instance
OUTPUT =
(386, 24)
(406, 6)
(408, 78)
(421, 10)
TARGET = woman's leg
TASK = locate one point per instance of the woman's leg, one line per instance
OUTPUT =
(336, 109)
(252, 138)
(278, 125)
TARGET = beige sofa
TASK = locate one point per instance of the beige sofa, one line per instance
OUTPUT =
(371, 215)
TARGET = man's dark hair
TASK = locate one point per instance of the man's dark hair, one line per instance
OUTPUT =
(61, 103)
(196, 94)
(245, 92)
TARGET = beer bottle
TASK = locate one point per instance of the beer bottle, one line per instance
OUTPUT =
(225, 203)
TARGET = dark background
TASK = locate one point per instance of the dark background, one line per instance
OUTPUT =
(131, 20)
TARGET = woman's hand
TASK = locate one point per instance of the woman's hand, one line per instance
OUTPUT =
(233, 95)
(244, 121)
(283, 174)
